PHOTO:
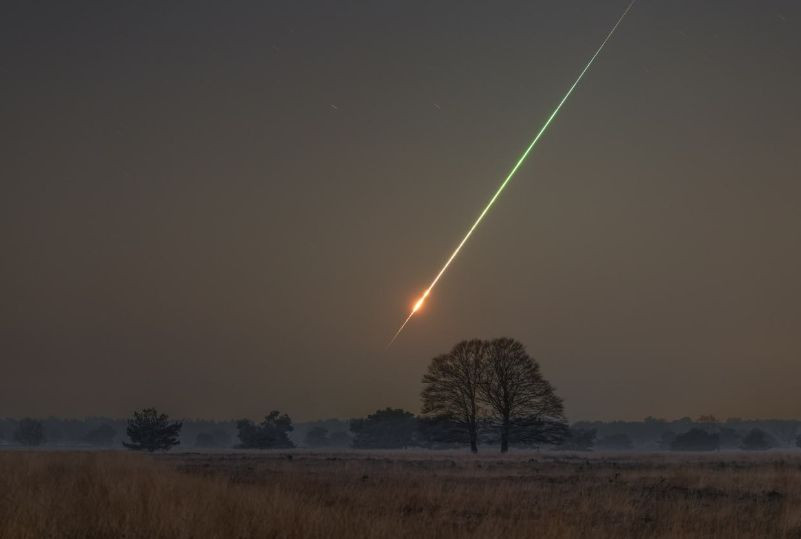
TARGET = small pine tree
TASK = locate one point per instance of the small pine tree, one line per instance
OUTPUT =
(272, 433)
(151, 431)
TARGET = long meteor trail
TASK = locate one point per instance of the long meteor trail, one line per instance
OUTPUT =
(511, 174)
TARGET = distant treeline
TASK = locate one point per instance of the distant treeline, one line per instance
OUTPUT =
(480, 393)
(653, 434)
(396, 428)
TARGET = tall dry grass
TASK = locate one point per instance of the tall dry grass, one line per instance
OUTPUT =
(118, 494)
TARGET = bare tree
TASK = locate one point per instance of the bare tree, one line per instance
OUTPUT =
(516, 392)
(451, 388)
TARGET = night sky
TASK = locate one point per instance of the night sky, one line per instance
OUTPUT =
(223, 208)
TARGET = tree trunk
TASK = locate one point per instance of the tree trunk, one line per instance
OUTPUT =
(473, 440)
(505, 435)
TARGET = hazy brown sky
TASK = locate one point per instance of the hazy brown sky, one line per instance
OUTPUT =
(222, 208)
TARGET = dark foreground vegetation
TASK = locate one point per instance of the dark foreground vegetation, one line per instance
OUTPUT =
(398, 494)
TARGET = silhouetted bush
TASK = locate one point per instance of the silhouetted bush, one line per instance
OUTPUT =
(696, 440)
(29, 432)
(272, 433)
(757, 440)
(151, 431)
(385, 429)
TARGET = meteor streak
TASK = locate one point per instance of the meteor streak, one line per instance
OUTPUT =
(520, 161)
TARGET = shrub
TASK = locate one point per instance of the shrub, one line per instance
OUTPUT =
(757, 440)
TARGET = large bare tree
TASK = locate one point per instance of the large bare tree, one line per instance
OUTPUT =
(521, 400)
(451, 387)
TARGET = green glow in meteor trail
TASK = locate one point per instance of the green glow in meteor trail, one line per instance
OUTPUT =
(520, 161)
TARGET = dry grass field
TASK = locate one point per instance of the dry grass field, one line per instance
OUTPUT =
(416, 494)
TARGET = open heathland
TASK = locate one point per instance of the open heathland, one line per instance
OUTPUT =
(399, 494)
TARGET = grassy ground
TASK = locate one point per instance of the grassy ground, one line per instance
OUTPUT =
(300, 494)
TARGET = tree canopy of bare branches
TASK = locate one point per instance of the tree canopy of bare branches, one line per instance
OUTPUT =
(451, 387)
(494, 384)
(519, 398)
